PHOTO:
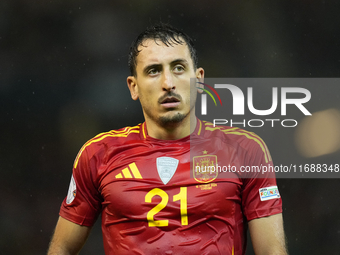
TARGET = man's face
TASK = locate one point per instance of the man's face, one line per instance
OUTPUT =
(162, 83)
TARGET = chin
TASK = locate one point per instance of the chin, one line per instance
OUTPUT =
(172, 119)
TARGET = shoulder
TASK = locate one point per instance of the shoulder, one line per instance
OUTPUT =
(237, 137)
(114, 137)
(230, 133)
(104, 141)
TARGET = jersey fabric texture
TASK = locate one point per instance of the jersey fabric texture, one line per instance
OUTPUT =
(153, 199)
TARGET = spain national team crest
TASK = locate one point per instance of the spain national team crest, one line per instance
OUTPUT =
(205, 168)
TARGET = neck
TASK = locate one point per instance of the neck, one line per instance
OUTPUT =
(172, 131)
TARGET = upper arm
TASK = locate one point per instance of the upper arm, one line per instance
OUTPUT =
(68, 238)
(267, 235)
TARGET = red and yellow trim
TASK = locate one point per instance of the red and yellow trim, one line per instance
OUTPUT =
(249, 135)
(143, 130)
(200, 127)
(113, 133)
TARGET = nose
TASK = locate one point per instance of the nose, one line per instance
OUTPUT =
(168, 82)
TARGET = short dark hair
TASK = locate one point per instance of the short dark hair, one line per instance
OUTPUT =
(167, 35)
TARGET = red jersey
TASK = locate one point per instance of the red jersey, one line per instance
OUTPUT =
(154, 201)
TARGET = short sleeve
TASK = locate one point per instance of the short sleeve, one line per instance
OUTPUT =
(83, 202)
(260, 194)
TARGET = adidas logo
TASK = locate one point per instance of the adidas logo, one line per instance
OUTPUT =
(126, 173)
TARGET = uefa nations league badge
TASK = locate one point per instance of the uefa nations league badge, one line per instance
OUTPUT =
(166, 168)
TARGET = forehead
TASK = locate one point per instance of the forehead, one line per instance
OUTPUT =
(152, 51)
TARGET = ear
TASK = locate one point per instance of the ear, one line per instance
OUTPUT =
(132, 84)
(200, 78)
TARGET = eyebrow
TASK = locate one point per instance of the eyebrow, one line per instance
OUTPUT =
(179, 60)
(176, 61)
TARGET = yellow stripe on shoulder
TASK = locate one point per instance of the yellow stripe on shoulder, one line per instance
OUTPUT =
(207, 123)
(113, 133)
(210, 127)
(238, 131)
(126, 130)
(213, 128)
(220, 128)
(254, 137)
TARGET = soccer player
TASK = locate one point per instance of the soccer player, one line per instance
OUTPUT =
(142, 179)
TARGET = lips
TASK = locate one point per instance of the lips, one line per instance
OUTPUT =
(170, 102)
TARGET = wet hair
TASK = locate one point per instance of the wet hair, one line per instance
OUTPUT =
(164, 33)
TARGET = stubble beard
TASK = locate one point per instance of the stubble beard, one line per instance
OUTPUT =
(168, 120)
(173, 120)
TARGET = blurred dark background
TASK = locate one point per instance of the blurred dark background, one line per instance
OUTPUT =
(63, 69)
